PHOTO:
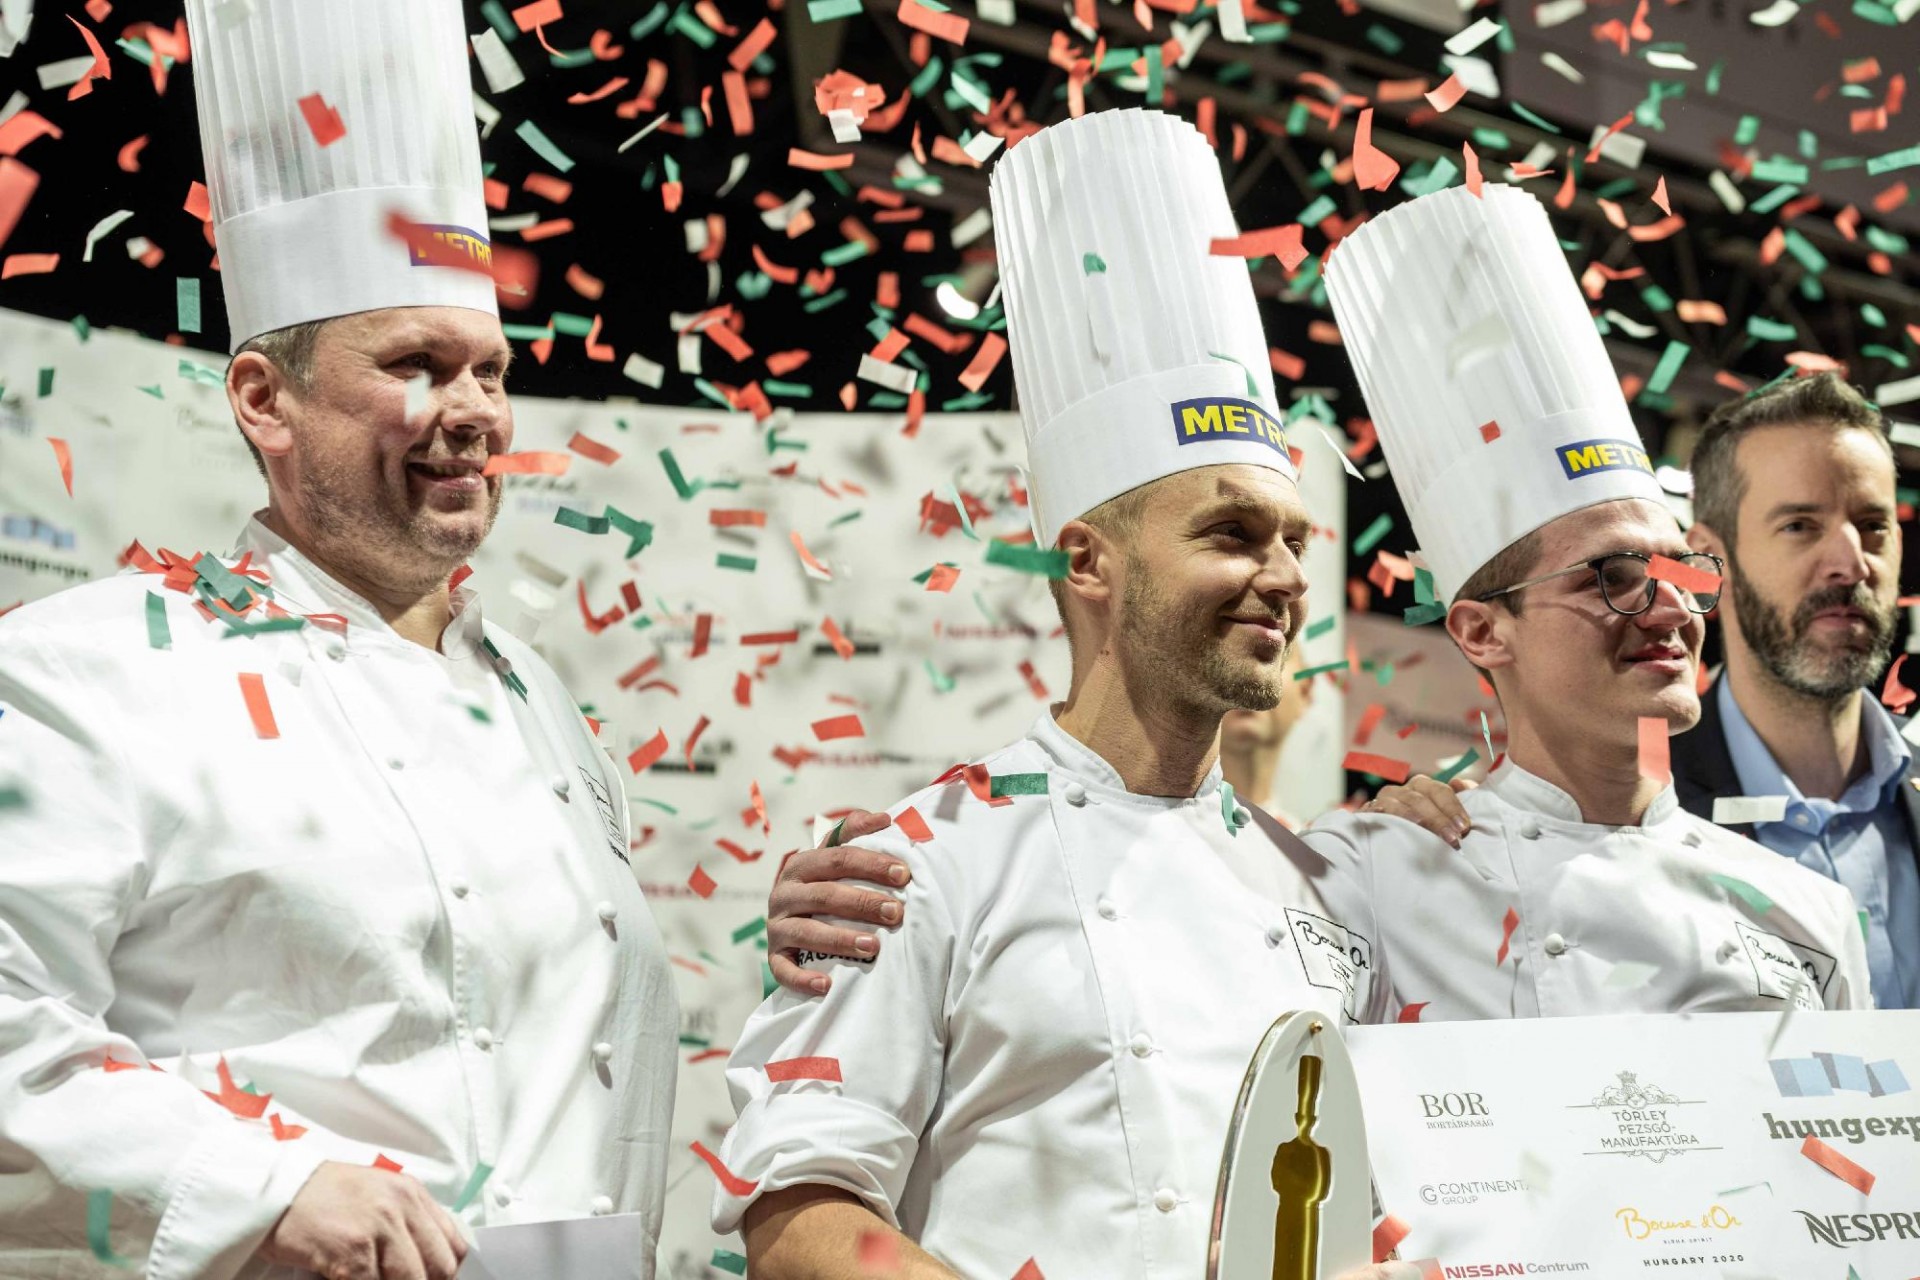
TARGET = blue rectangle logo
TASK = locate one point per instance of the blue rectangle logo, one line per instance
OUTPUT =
(1227, 418)
(1586, 457)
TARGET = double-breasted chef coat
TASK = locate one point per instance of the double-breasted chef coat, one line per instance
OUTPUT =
(1042, 1060)
(1540, 914)
(408, 917)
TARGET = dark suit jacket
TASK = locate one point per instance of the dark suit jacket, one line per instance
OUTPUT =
(1703, 769)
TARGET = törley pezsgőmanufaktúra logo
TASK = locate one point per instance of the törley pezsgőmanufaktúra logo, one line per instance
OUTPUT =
(1638, 1118)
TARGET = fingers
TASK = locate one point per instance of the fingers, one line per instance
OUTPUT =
(399, 1257)
(844, 862)
(800, 934)
(844, 901)
(438, 1238)
(862, 822)
(802, 982)
(1463, 784)
(1415, 807)
(1445, 800)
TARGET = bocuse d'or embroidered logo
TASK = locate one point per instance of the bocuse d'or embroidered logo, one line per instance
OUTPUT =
(471, 243)
(1227, 418)
(1587, 457)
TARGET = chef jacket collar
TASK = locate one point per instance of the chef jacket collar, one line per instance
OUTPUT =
(303, 587)
(1075, 760)
(1533, 794)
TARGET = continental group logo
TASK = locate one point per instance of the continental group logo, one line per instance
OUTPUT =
(471, 243)
(1586, 457)
(1223, 418)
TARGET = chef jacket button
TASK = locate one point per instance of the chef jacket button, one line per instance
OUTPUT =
(606, 910)
(459, 887)
(1142, 1045)
(1076, 794)
(395, 763)
(1691, 839)
(1554, 944)
(1166, 1200)
(1726, 952)
(1276, 934)
(560, 785)
(1241, 816)
(602, 1206)
(1107, 910)
(502, 667)
(502, 1194)
(1529, 830)
(337, 650)
(483, 1037)
(603, 1052)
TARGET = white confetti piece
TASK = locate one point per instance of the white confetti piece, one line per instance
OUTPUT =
(1733, 809)
(1622, 148)
(1904, 433)
(651, 125)
(1632, 328)
(1729, 194)
(496, 63)
(1554, 62)
(1346, 463)
(1671, 61)
(417, 388)
(101, 228)
(696, 233)
(689, 353)
(487, 114)
(845, 127)
(1475, 73)
(58, 75)
(972, 227)
(1629, 975)
(1898, 392)
(981, 146)
(15, 105)
(998, 12)
(1555, 12)
(894, 377)
(15, 17)
(644, 371)
(954, 303)
(1233, 23)
(1775, 14)
(736, 170)
(1473, 37)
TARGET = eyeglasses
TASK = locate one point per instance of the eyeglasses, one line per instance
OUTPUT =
(1625, 583)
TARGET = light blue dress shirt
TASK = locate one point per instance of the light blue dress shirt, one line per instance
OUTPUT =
(1860, 840)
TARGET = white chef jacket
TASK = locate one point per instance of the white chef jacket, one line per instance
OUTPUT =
(1042, 1060)
(416, 929)
(1588, 899)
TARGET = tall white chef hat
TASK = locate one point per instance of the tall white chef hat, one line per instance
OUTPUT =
(1136, 352)
(1461, 316)
(302, 227)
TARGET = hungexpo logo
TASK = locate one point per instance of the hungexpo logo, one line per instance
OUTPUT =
(1844, 1076)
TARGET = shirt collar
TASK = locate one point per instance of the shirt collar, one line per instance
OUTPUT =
(1888, 757)
(1084, 765)
(303, 587)
(1533, 794)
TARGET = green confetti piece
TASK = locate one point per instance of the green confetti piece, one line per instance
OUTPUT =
(1253, 390)
(1904, 158)
(1746, 131)
(1371, 535)
(1865, 934)
(582, 521)
(475, 1180)
(573, 326)
(1226, 807)
(1156, 79)
(1423, 592)
(479, 713)
(1670, 361)
(690, 1041)
(655, 19)
(496, 15)
(81, 328)
(543, 145)
(1320, 626)
(1420, 615)
(1435, 179)
(527, 332)
(12, 797)
(1873, 315)
(231, 589)
(750, 929)
(841, 255)
(1458, 767)
(186, 301)
(1804, 253)
(817, 305)
(1308, 673)
(1486, 735)
(722, 1258)
(1762, 329)
(674, 476)
(241, 627)
(99, 1228)
(942, 682)
(1383, 39)
(1092, 263)
(781, 387)
(1656, 298)
(1538, 122)
(1773, 199)
(46, 383)
(159, 634)
(1017, 784)
(1027, 559)
(837, 521)
(727, 560)
(1318, 212)
(639, 532)
(1742, 890)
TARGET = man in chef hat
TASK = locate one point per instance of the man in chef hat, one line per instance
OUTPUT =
(1583, 887)
(363, 882)
(1042, 1062)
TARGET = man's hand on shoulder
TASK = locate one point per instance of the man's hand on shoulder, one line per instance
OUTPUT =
(355, 1223)
(1427, 803)
(808, 886)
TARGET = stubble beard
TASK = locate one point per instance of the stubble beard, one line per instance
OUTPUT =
(1176, 656)
(384, 542)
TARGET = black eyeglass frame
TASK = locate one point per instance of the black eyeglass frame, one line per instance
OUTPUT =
(1597, 567)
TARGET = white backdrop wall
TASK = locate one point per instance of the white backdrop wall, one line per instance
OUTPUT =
(936, 678)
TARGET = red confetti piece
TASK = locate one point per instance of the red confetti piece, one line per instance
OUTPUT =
(1387, 1235)
(528, 17)
(28, 264)
(248, 1106)
(942, 578)
(1373, 169)
(1894, 694)
(841, 645)
(693, 739)
(700, 882)
(198, 202)
(726, 517)
(1029, 1270)
(1660, 196)
(1369, 721)
(752, 46)
(771, 637)
(1411, 1013)
(1451, 90)
(735, 1186)
(814, 162)
(1474, 179)
(129, 156)
(1837, 1165)
(322, 120)
(284, 1132)
(942, 26)
(253, 688)
(981, 367)
(804, 1069)
(807, 557)
(1286, 364)
(1387, 767)
(100, 70)
(839, 727)
(1278, 242)
(527, 464)
(1683, 576)
(912, 825)
(391, 1166)
(648, 752)
(23, 127)
(1654, 764)
(743, 689)
(64, 457)
(1507, 927)
(702, 633)
(593, 449)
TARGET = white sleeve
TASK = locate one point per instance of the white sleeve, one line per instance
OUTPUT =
(1344, 840)
(882, 1029)
(203, 1186)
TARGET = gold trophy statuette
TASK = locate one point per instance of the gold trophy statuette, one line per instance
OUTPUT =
(1302, 1177)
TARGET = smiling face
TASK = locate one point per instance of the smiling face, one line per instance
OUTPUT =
(1815, 565)
(374, 466)
(1212, 590)
(1567, 664)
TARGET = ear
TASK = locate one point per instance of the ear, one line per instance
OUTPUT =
(1091, 560)
(259, 394)
(1703, 538)
(1480, 630)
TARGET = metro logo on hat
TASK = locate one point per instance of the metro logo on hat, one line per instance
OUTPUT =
(1137, 353)
(1459, 312)
(303, 227)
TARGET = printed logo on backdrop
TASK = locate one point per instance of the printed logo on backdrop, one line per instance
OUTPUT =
(1332, 955)
(1786, 970)
(1636, 1118)
(1472, 1191)
(1844, 1230)
(1463, 1110)
(1838, 1075)
(1667, 1226)
(1477, 1270)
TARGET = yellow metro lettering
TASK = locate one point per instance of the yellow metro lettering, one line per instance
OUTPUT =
(1194, 420)
(1583, 459)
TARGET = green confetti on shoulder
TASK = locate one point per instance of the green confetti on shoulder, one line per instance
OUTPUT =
(1018, 784)
(1226, 807)
(159, 634)
(726, 560)
(1865, 933)
(1027, 559)
(1740, 889)
(1093, 264)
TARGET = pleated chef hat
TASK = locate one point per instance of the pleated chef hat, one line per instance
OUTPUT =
(1136, 352)
(301, 227)
(1458, 312)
